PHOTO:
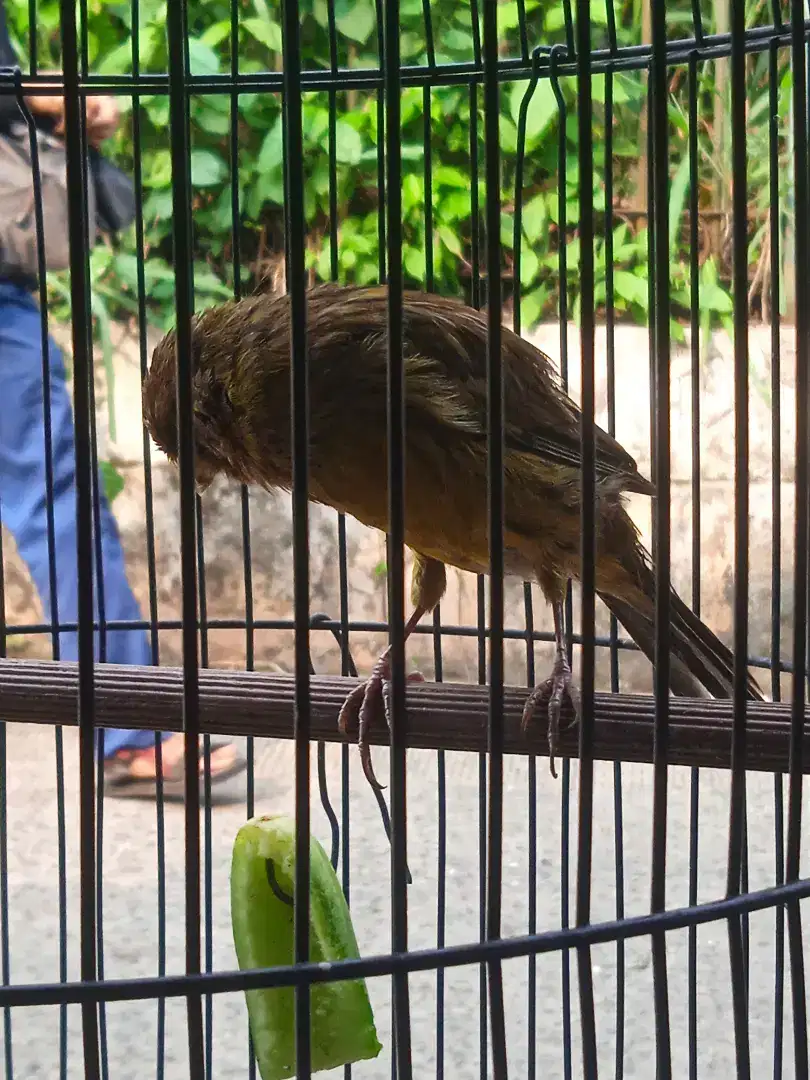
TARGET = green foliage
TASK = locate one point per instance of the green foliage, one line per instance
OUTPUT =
(440, 119)
(112, 480)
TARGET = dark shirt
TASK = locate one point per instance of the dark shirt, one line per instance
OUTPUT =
(9, 109)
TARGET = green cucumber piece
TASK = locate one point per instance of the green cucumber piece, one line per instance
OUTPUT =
(262, 887)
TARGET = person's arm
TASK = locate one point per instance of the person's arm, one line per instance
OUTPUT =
(102, 112)
(40, 105)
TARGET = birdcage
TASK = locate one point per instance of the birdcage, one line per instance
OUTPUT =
(625, 185)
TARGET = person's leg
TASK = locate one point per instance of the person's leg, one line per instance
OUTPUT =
(23, 493)
(24, 510)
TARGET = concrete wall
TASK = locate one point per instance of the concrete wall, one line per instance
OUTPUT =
(271, 520)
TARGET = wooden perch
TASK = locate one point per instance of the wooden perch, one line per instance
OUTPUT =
(448, 716)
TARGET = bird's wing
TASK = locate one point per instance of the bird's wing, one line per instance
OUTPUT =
(557, 438)
(559, 450)
(539, 418)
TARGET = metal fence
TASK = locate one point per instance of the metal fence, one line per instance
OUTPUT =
(736, 736)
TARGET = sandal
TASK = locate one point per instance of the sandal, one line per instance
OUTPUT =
(127, 775)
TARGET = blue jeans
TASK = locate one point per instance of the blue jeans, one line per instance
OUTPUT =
(23, 499)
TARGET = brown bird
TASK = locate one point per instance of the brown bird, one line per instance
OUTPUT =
(241, 394)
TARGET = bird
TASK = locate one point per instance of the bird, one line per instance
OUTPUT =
(241, 393)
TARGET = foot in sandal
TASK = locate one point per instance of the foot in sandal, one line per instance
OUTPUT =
(132, 774)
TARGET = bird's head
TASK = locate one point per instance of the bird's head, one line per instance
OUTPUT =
(217, 436)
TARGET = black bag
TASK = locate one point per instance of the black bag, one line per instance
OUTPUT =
(18, 224)
(115, 194)
(110, 202)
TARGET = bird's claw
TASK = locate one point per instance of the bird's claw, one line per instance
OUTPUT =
(364, 705)
(556, 687)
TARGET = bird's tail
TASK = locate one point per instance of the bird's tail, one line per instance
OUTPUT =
(699, 662)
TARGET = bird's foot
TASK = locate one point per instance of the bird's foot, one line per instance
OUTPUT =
(556, 687)
(367, 703)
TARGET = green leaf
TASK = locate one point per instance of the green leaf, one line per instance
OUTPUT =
(541, 112)
(455, 206)
(508, 16)
(202, 58)
(265, 31)
(708, 273)
(458, 41)
(554, 18)
(158, 205)
(507, 134)
(632, 288)
(270, 187)
(533, 305)
(348, 144)
(271, 154)
(206, 281)
(367, 272)
(212, 120)
(348, 259)
(158, 171)
(412, 192)
(677, 199)
(153, 40)
(450, 176)
(248, 107)
(316, 125)
(715, 298)
(411, 104)
(118, 61)
(534, 216)
(357, 21)
(507, 230)
(627, 86)
(111, 479)
(323, 267)
(207, 168)
(529, 265)
(415, 262)
(157, 109)
(157, 271)
(221, 215)
(450, 240)
(126, 268)
(217, 33)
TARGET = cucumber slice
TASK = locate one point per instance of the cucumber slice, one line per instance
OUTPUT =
(262, 886)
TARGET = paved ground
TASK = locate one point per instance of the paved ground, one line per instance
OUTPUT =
(130, 916)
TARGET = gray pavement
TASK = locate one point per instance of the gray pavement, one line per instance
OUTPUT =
(130, 915)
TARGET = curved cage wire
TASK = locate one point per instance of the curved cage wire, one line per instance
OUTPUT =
(647, 906)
